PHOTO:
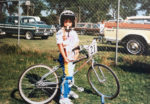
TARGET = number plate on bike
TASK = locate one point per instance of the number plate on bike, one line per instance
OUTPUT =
(92, 48)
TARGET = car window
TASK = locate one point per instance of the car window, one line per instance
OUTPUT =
(31, 20)
(15, 20)
(24, 20)
(88, 26)
(80, 25)
(41, 22)
(9, 20)
(139, 20)
(148, 20)
(28, 20)
(95, 26)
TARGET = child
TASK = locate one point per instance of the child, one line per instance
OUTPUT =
(67, 39)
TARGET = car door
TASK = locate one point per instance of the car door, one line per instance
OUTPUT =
(8, 26)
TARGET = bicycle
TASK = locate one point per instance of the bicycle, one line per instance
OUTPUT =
(39, 84)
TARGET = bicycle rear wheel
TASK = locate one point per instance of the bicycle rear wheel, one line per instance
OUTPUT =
(35, 90)
(103, 81)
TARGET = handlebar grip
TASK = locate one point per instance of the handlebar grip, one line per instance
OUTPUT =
(76, 48)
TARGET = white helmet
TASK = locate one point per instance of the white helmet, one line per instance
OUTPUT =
(67, 14)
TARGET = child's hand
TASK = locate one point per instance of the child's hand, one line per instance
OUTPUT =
(66, 60)
(76, 54)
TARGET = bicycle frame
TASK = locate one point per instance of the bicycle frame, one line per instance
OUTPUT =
(89, 59)
(88, 56)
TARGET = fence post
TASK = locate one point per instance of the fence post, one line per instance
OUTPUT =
(19, 22)
(118, 13)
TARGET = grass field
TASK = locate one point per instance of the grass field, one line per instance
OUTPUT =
(133, 71)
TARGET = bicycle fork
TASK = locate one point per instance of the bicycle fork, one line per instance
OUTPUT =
(99, 79)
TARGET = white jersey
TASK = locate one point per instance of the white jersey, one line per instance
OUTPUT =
(69, 43)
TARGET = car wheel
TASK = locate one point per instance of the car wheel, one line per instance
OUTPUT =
(135, 46)
(29, 35)
(44, 37)
(8, 34)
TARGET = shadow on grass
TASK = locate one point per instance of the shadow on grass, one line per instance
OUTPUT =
(89, 91)
(2, 36)
(13, 96)
(13, 36)
(21, 37)
(111, 49)
(120, 50)
(21, 101)
(32, 78)
(136, 67)
(34, 92)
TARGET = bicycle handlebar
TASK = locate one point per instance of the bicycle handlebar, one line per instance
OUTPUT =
(76, 48)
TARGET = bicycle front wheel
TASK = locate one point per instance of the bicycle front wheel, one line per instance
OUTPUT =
(103, 81)
(38, 84)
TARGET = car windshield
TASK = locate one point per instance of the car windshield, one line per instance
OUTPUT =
(139, 20)
(41, 22)
(96, 26)
(28, 20)
(80, 25)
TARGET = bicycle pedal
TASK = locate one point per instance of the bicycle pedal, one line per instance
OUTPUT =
(80, 89)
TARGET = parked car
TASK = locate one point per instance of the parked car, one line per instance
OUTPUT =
(53, 28)
(135, 37)
(30, 26)
(1, 32)
(57, 26)
(87, 28)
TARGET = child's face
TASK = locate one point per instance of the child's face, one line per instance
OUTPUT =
(67, 22)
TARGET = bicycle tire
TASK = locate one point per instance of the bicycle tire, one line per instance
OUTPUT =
(34, 92)
(110, 87)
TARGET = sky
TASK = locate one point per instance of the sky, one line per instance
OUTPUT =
(140, 13)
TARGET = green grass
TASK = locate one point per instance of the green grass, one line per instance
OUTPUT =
(133, 71)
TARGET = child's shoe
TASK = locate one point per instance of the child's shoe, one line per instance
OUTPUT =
(65, 101)
(72, 94)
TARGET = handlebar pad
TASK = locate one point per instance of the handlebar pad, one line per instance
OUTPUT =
(76, 48)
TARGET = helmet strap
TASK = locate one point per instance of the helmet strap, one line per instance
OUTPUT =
(67, 29)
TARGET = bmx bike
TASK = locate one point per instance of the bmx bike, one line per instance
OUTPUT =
(39, 83)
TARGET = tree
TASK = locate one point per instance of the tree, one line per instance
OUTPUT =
(2, 13)
(127, 8)
(86, 10)
(145, 6)
(12, 7)
(7, 6)
(94, 10)
(35, 8)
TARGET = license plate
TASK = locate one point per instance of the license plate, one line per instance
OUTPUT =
(45, 33)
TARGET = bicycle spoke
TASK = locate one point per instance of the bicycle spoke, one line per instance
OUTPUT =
(103, 81)
(33, 89)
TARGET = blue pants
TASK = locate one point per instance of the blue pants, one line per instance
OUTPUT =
(68, 70)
